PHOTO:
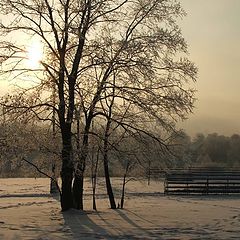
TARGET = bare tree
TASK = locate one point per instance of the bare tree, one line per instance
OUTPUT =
(86, 43)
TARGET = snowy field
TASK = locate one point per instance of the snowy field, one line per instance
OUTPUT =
(27, 211)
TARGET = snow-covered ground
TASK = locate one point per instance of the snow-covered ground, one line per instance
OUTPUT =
(27, 211)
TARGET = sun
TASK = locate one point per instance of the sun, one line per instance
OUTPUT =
(34, 54)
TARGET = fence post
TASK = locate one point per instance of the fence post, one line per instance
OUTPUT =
(207, 184)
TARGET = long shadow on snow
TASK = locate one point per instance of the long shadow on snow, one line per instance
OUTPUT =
(82, 227)
(126, 217)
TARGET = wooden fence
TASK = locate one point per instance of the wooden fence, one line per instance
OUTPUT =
(202, 181)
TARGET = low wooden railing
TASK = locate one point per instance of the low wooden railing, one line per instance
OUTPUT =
(202, 181)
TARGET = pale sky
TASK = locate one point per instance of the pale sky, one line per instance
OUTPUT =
(212, 31)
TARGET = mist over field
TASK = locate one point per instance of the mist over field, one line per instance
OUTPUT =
(213, 43)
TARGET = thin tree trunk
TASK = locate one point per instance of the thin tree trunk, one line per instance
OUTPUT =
(108, 185)
(123, 192)
(94, 179)
(53, 181)
(124, 184)
(94, 196)
(105, 155)
(106, 169)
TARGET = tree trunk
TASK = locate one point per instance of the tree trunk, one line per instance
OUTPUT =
(94, 179)
(67, 170)
(108, 183)
(80, 169)
(66, 197)
(106, 169)
(53, 182)
(123, 191)
(78, 190)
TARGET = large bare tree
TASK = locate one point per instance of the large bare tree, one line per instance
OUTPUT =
(91, 46)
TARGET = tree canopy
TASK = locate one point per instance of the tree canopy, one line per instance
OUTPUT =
(127, 57)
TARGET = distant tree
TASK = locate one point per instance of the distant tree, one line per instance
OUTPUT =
(26, 141)
(217, 146)
(215, 150)
(234, 151)
(196, 147)
(180, 152)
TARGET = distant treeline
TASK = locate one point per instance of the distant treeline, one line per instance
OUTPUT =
(138, 153)
(214, 150)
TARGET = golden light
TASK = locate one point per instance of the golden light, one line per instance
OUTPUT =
(34, 54)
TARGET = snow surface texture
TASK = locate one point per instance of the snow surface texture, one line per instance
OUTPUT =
(27, 211)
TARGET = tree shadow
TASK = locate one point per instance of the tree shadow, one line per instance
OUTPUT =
(140, 217)
(142, 230)
(82, 226)
(127, 219)
(133, 223)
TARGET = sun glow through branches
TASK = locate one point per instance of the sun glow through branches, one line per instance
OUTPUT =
(34, 54)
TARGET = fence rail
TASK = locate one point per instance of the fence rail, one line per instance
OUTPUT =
(202, 181)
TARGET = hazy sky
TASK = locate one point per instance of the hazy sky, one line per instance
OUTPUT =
(212, 31)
